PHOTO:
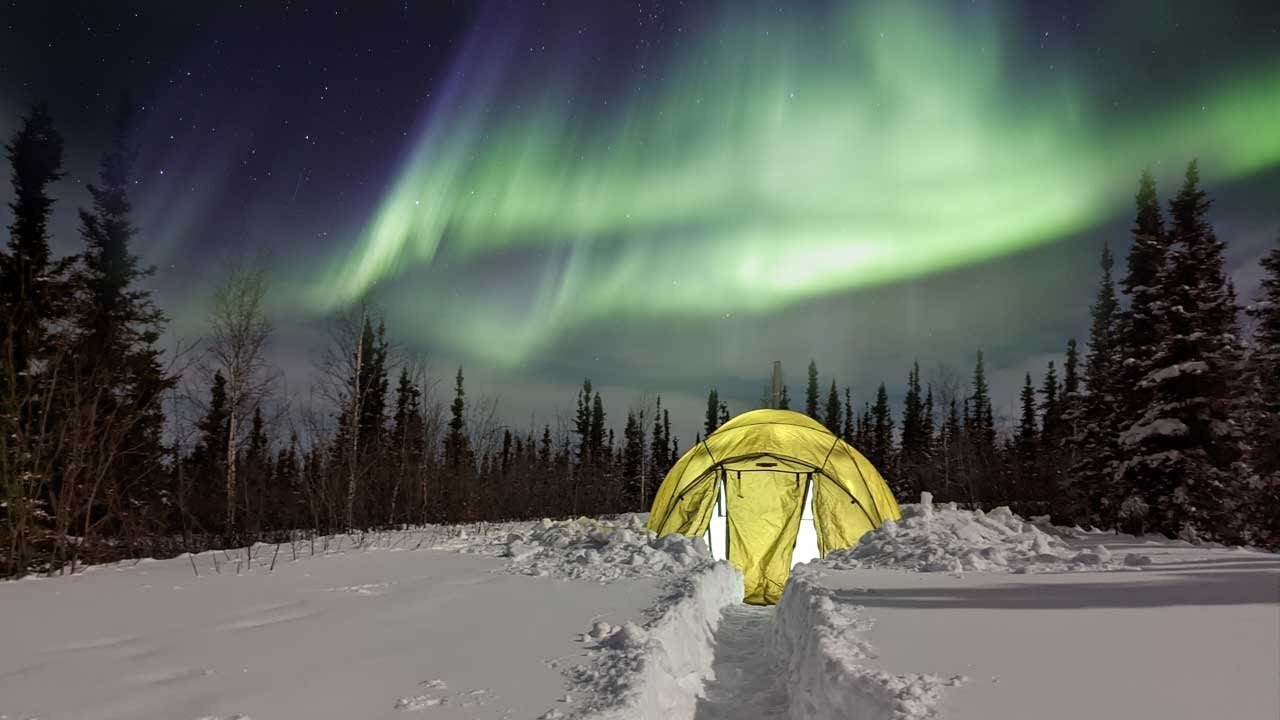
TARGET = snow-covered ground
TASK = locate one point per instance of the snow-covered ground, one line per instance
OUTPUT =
(945, 614)
(354, 633)
(1055, 623)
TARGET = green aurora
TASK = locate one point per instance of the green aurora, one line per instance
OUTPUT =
(768, 162)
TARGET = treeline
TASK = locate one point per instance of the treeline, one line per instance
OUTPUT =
(1170, 423)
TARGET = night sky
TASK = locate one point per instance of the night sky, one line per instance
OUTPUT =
(662, 196)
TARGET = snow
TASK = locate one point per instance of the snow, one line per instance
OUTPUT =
(1162, 427)
(826, 653)
(945, 538)
(602, 550)
(946, 613)
(1192, 367)
(1194, 632)
(367, 628)
(657, 672)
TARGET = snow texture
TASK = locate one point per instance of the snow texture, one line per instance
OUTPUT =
(826, 655)
(603, 550)
(385, 626)
(945, 538)
(657, 671)
(1162, 427)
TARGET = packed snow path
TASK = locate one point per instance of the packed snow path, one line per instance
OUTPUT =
(748, 682)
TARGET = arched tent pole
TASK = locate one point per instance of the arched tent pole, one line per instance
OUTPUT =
(823, 472)
(866, 485)
(709, 473)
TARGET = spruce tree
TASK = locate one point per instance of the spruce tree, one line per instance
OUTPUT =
(29, 287)
(846, 430)
(928, 425)
(712, 419)
(632, 462)
(1028, 433)
(833, 410)
(811, 393)
(659, 453)
(1186, 448)
(457, 446)
(862, 433)
(882, 433)
(724, 412)
(1050, 410)
(1141, 327)
(206, 464)
(983, 434)
(600, 451)
(119, 324)
(1072, 413)
(1264, 418)
(913, 430)
(408, 436)
(951, 446)
(1093, 493)
(668, 442)
(784, 400)
(582, 424)
(1071, 372)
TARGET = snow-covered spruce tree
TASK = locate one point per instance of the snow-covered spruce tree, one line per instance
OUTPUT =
(1184, 449)
(1090, 491)
(1141, 327)
(1262, 513)
(1049, 456)
(633, 462)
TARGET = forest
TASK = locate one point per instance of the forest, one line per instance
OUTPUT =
(1164, 420)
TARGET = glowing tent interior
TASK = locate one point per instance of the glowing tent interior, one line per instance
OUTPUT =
(759, 471)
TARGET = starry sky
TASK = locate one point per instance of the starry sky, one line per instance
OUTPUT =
(662, 196)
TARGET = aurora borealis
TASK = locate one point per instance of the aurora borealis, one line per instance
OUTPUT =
(777, 160)
(666, 196)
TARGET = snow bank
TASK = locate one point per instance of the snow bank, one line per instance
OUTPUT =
(593, 549)
(657, 671)
(947, 539)
(820, 638)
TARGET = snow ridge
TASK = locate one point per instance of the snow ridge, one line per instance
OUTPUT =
(600, 549)
(657, 672)
(819, 638)
(947, 539)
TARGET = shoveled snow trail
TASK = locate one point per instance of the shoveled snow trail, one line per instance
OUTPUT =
(747, 682)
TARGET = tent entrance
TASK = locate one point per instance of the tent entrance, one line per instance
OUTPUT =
(763, 522)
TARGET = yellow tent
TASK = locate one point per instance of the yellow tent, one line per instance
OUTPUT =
(767, 462)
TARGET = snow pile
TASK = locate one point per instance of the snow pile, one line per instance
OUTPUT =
(595, 549)
(657, 671)
(948, 539)
(825, 655)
